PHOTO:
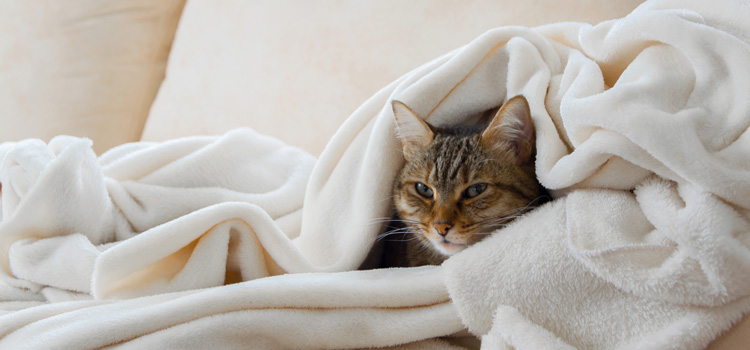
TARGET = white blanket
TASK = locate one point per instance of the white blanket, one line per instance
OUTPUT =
(642, 132)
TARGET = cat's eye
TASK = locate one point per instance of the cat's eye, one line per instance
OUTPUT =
(423, 190)
(474, 190)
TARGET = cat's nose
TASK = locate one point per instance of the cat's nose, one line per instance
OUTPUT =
(442, 228)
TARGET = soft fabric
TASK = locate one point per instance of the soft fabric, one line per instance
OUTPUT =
(77, 222)
(82, 67)
(272, 64)
(642, 135)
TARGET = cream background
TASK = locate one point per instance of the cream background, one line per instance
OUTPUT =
(296, 69)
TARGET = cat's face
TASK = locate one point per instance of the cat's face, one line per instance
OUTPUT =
(461, 183)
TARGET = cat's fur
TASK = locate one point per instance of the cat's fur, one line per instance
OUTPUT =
(443, 163)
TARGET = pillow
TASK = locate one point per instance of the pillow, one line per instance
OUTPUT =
(82, 67)
(296, 69)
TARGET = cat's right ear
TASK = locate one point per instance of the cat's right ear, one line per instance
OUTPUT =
(413, 132)
(512, 129)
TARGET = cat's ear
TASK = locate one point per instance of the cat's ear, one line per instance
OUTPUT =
(512, 129)
(413, 132)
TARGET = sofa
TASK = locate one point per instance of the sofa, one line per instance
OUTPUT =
(131, 74)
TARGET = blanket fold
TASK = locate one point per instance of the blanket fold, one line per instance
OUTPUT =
(320, 310)
(642, 137)
(166, 217)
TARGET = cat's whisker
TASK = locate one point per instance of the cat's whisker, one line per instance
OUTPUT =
(494, 223)
(379, 238)
(393, 218)
(508, 215)
(407, 234)
(401, 229)
(404, 231)
(542, 199)
(532, 204)
(425, 247)
(396, 231)
(390, 220)
(503, 220)
(382, 220)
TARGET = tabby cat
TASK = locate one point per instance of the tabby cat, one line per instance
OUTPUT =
(459, 183)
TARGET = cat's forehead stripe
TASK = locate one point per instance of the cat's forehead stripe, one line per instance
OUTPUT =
(451, 158)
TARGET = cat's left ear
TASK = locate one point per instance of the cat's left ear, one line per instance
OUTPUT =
(414, 133)
(512, 129)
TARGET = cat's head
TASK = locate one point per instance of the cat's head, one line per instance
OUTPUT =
(460, 183)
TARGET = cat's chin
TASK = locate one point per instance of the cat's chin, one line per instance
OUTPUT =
(448, 248)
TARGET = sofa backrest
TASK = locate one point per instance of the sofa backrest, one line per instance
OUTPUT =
(82, 67)
(296, 69)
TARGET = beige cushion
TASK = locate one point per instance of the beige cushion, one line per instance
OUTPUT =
(296, 69)
(82, 67)
(736, 338)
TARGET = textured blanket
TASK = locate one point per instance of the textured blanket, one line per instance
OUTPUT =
(240, 241)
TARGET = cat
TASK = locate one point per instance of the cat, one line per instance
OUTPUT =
(459, 183)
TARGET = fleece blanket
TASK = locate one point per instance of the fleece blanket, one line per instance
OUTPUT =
(240, 241)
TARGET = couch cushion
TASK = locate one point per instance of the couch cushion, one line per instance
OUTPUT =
(82, 67)
(296, 69)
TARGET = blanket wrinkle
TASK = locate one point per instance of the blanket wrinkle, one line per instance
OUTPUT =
(252, 310)
(710, 53)
(509, 323)
(642, 135)
(683, 256)
(129, 208)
